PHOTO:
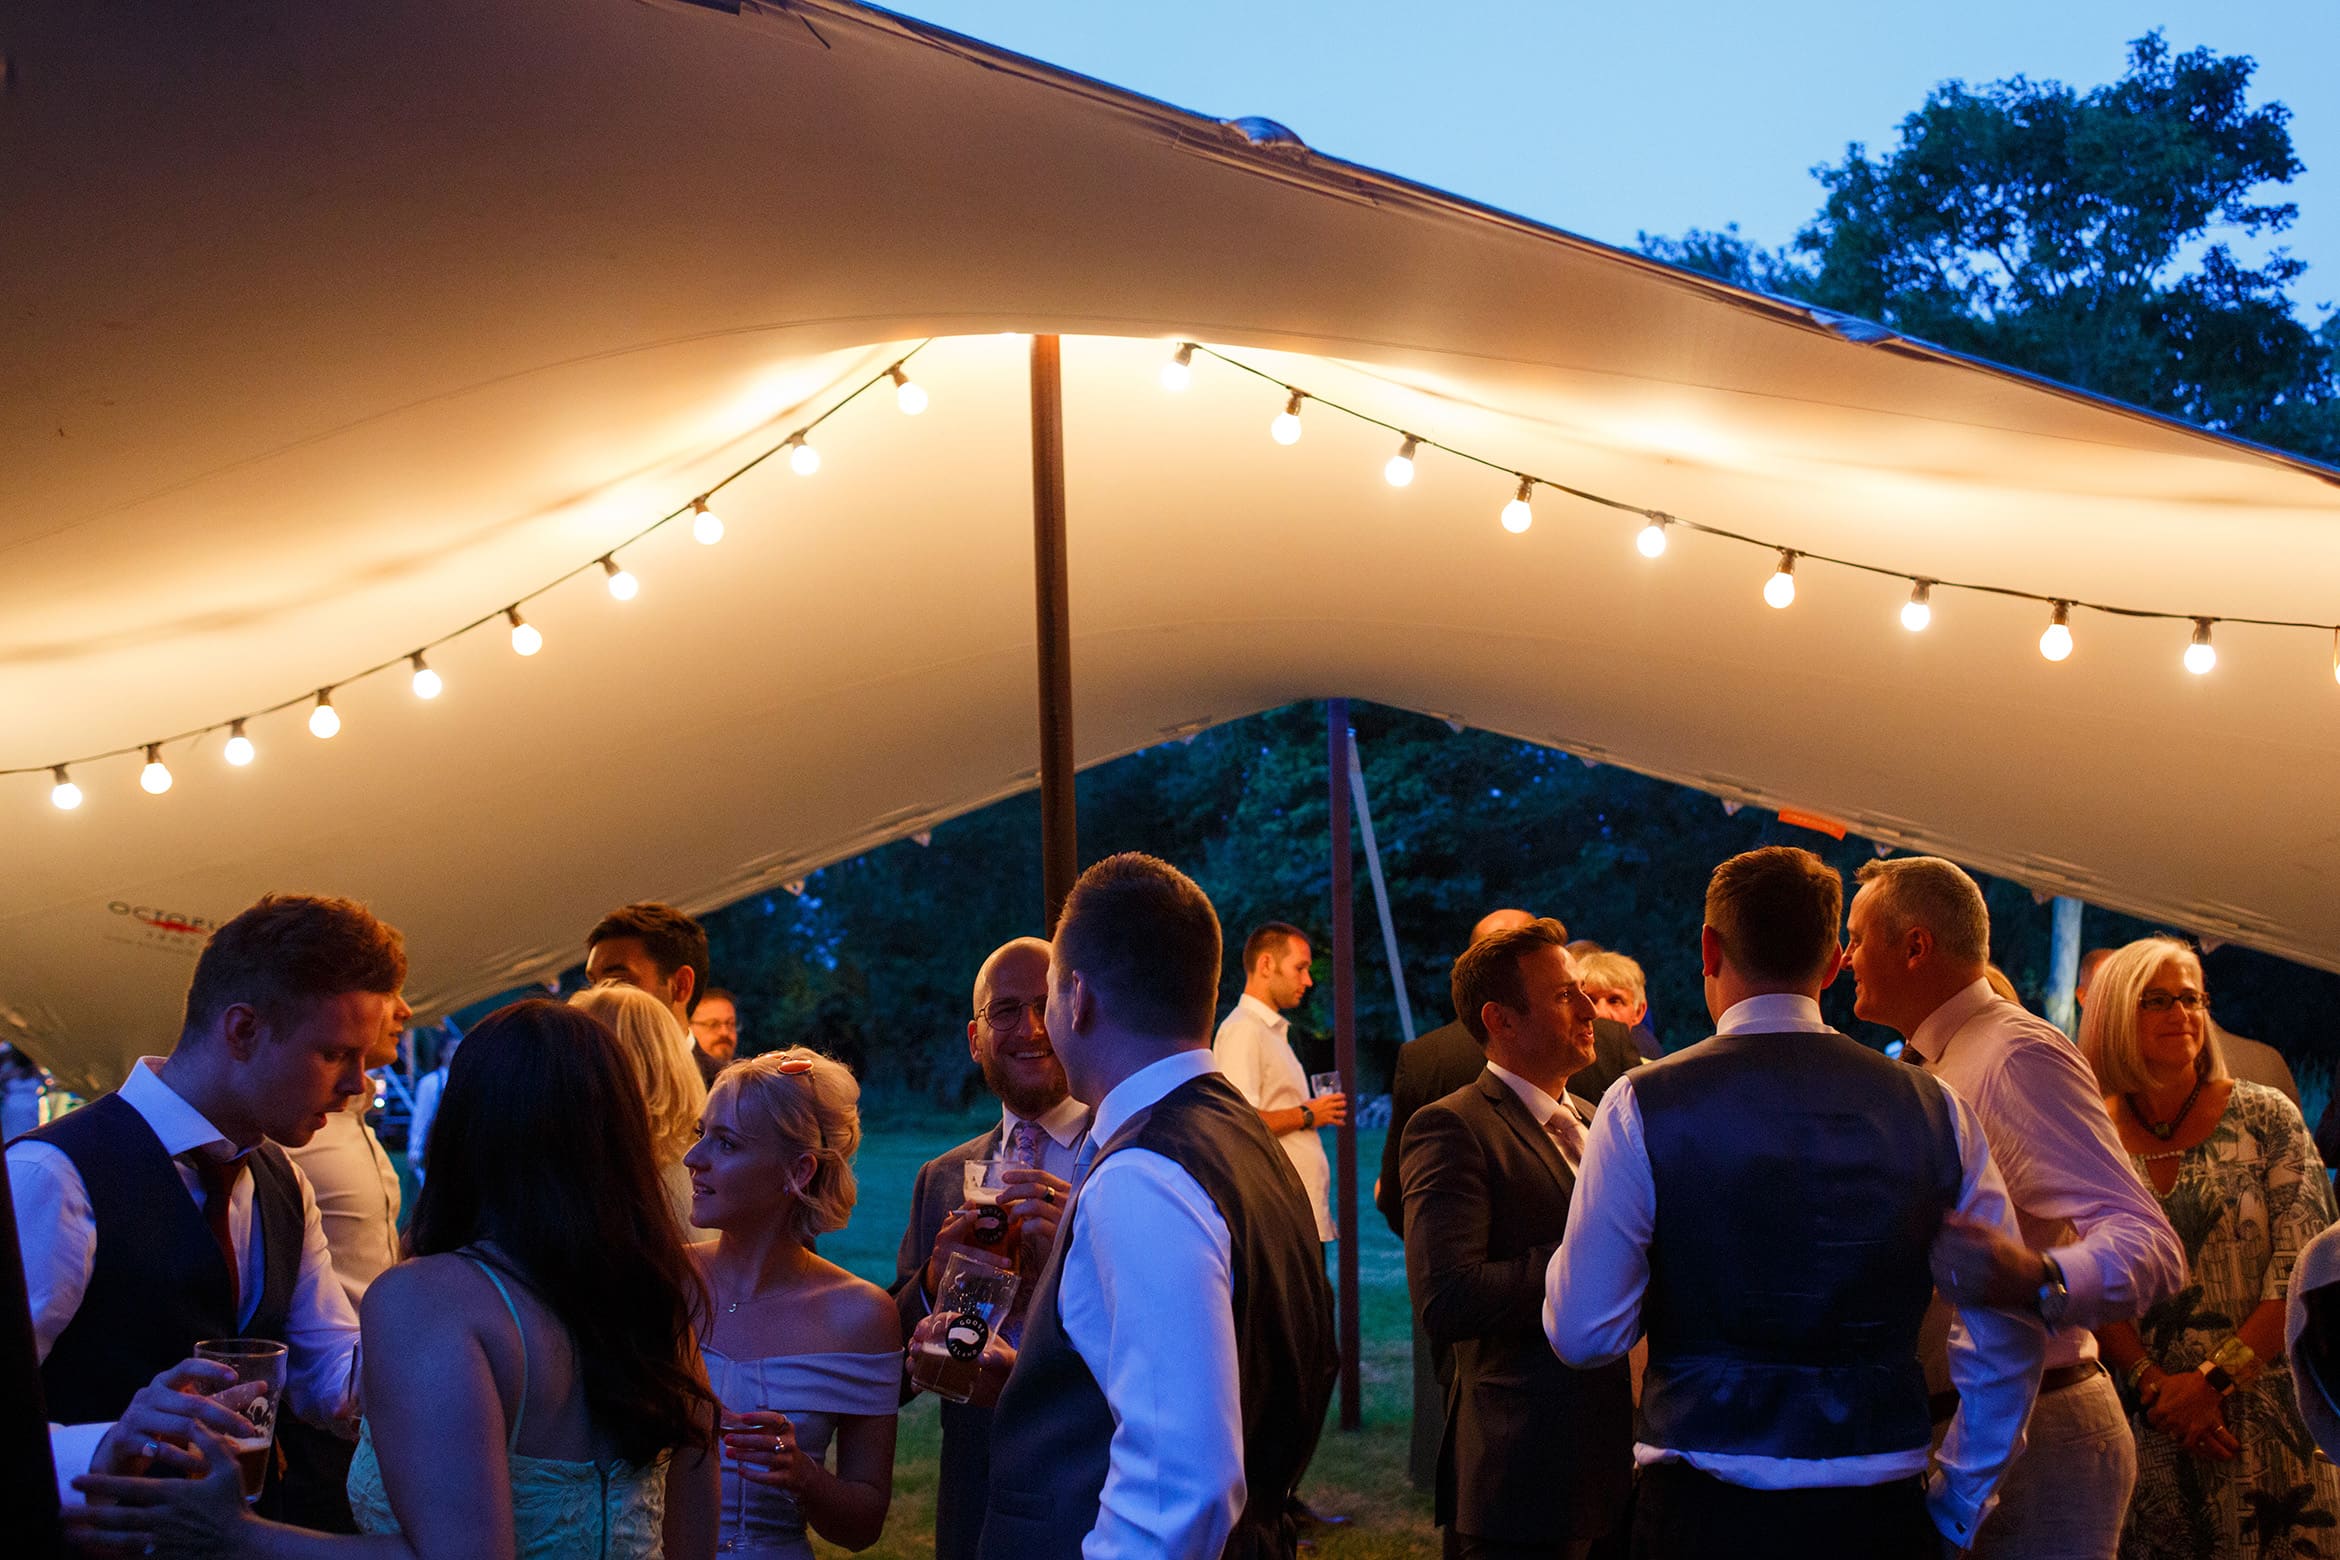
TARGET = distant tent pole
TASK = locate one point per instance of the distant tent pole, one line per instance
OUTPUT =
(1344, 939)
(2063, 964)
(1059, 854)
(1389, 942)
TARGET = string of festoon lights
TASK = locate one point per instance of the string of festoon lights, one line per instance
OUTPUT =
(1779, 590)
(707, 528)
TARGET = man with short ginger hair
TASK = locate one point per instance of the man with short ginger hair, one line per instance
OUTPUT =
(1766, 1201)
(2095, 1246)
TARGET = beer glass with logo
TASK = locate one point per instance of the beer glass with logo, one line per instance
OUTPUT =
(252, 1359)
(947, 1359)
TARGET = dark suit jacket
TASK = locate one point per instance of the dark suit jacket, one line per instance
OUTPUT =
(962, 1490)
(1436, 1064)
(1534, 1452)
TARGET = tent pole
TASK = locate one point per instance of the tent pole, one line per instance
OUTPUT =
(1389, 942)
(28, 1479)
(1059, 854)
(1344, 938)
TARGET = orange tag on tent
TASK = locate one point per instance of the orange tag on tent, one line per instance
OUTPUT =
(1813, 821)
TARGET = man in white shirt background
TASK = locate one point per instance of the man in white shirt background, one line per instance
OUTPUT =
(1767, 1200)
(166, 1213)
(1146, 1416)
(1254, 1048)
(2093, 1247)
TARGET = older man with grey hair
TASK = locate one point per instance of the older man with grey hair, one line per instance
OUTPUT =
(2095, 1246)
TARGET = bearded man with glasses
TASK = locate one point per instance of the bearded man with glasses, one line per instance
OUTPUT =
(1045, 1131)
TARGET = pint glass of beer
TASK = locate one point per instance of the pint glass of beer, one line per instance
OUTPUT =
(974, 1299)
(263, 1361)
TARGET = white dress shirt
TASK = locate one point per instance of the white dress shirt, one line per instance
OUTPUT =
(57, 1231)
(1568, 1136)
(1147, 1298)
(1254, 1049)
(356, 1188)
(1594, 1288)
(1062, 1126)
(2076, 1195)
(427, 1091)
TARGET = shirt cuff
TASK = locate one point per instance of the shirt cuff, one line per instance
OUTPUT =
(2083, 1285)
(1954, 1518)
(72, 1447)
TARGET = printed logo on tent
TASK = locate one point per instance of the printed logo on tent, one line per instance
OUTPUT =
(159, 927)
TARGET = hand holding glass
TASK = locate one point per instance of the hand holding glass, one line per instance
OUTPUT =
(253, 1360)
(950, 1349)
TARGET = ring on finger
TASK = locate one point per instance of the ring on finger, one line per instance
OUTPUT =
(151, 1450)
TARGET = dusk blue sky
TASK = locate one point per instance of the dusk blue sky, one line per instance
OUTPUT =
(1611, 119)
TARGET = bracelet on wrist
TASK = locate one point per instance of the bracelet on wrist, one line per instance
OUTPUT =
(2134, 1376)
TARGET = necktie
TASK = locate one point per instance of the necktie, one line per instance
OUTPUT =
(1024, 1144)
(218, 1178)
(1567, 1135)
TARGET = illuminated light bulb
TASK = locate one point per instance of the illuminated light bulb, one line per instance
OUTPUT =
(1286, 428)
(156, 776)
(525, 639)
(324, 720)
(1652, 540)
(427, 683)
(706, 525)
(803, 459)
(64, 795)
(239, 750)
(1780, 589)
(2055, 642)
(622, 584)
(908, 393)
(2200, 657)
(1178, 373)
(1517, 516)
(1915, 612)
(1400, 470)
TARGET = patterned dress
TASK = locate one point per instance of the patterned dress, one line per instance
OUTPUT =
(2246, 1200)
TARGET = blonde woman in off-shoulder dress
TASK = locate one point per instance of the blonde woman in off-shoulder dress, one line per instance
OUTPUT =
(2225, 1468)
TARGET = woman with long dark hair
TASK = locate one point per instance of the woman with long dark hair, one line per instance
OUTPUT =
(533, 1390)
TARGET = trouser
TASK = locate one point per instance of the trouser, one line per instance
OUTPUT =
(1429, 1427)
(2064, 1497)
(1470, 1546)
(1682, 1514)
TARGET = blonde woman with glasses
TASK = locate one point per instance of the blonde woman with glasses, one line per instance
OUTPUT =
(2224, 1464)
(659, 1048)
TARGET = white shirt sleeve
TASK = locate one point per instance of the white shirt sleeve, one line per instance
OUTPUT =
(1994, 1361)
(57, 1233)
(1148, 1300)
(1238, 1051)
(320, 1330)
(71, 1447)
(1594, 1286)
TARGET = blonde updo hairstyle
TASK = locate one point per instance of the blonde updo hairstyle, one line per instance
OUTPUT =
(2108, 1025)
(808, 1104)
(658, 1049)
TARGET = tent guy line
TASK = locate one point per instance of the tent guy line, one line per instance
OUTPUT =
(706, 527)
(2056, 642)
(1285, 430)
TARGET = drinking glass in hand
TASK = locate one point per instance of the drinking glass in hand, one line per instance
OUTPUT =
(985, 1180)
(259, 1360)
(1322, 1084)
(946, 1358)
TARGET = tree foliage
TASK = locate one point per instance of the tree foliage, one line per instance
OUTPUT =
(2085, 236)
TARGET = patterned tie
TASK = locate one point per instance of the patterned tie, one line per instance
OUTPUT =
(219, 1177)
(1567, 1135)
(1024, 1145)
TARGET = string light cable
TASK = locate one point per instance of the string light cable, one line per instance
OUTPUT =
(156, 777)
(1657, 523)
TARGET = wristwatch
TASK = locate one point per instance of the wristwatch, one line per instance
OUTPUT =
(1307, 1115)
(2053, 1297)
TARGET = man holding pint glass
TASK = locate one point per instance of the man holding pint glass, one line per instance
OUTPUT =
(164, 1221)
(982, 1219)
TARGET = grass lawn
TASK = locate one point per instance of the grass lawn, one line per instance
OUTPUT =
(1360, 1473)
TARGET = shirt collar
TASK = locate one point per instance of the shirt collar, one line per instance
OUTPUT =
(1932, 1037)
(181, 1127)
(1064, 1122)
(1540, 1105)
(1773, 1013)
(1147, 1085)
(1265, 1014)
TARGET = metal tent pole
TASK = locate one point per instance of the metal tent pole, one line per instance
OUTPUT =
(1389, 942)
(1344, 939)
(1059, 852)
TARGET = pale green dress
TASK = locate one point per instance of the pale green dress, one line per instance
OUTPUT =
(561, 1509)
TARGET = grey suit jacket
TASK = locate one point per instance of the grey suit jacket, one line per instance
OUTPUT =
(1534, 1452)
(962, 1489)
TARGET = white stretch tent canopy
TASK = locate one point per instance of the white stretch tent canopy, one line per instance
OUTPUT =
(331, 329)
